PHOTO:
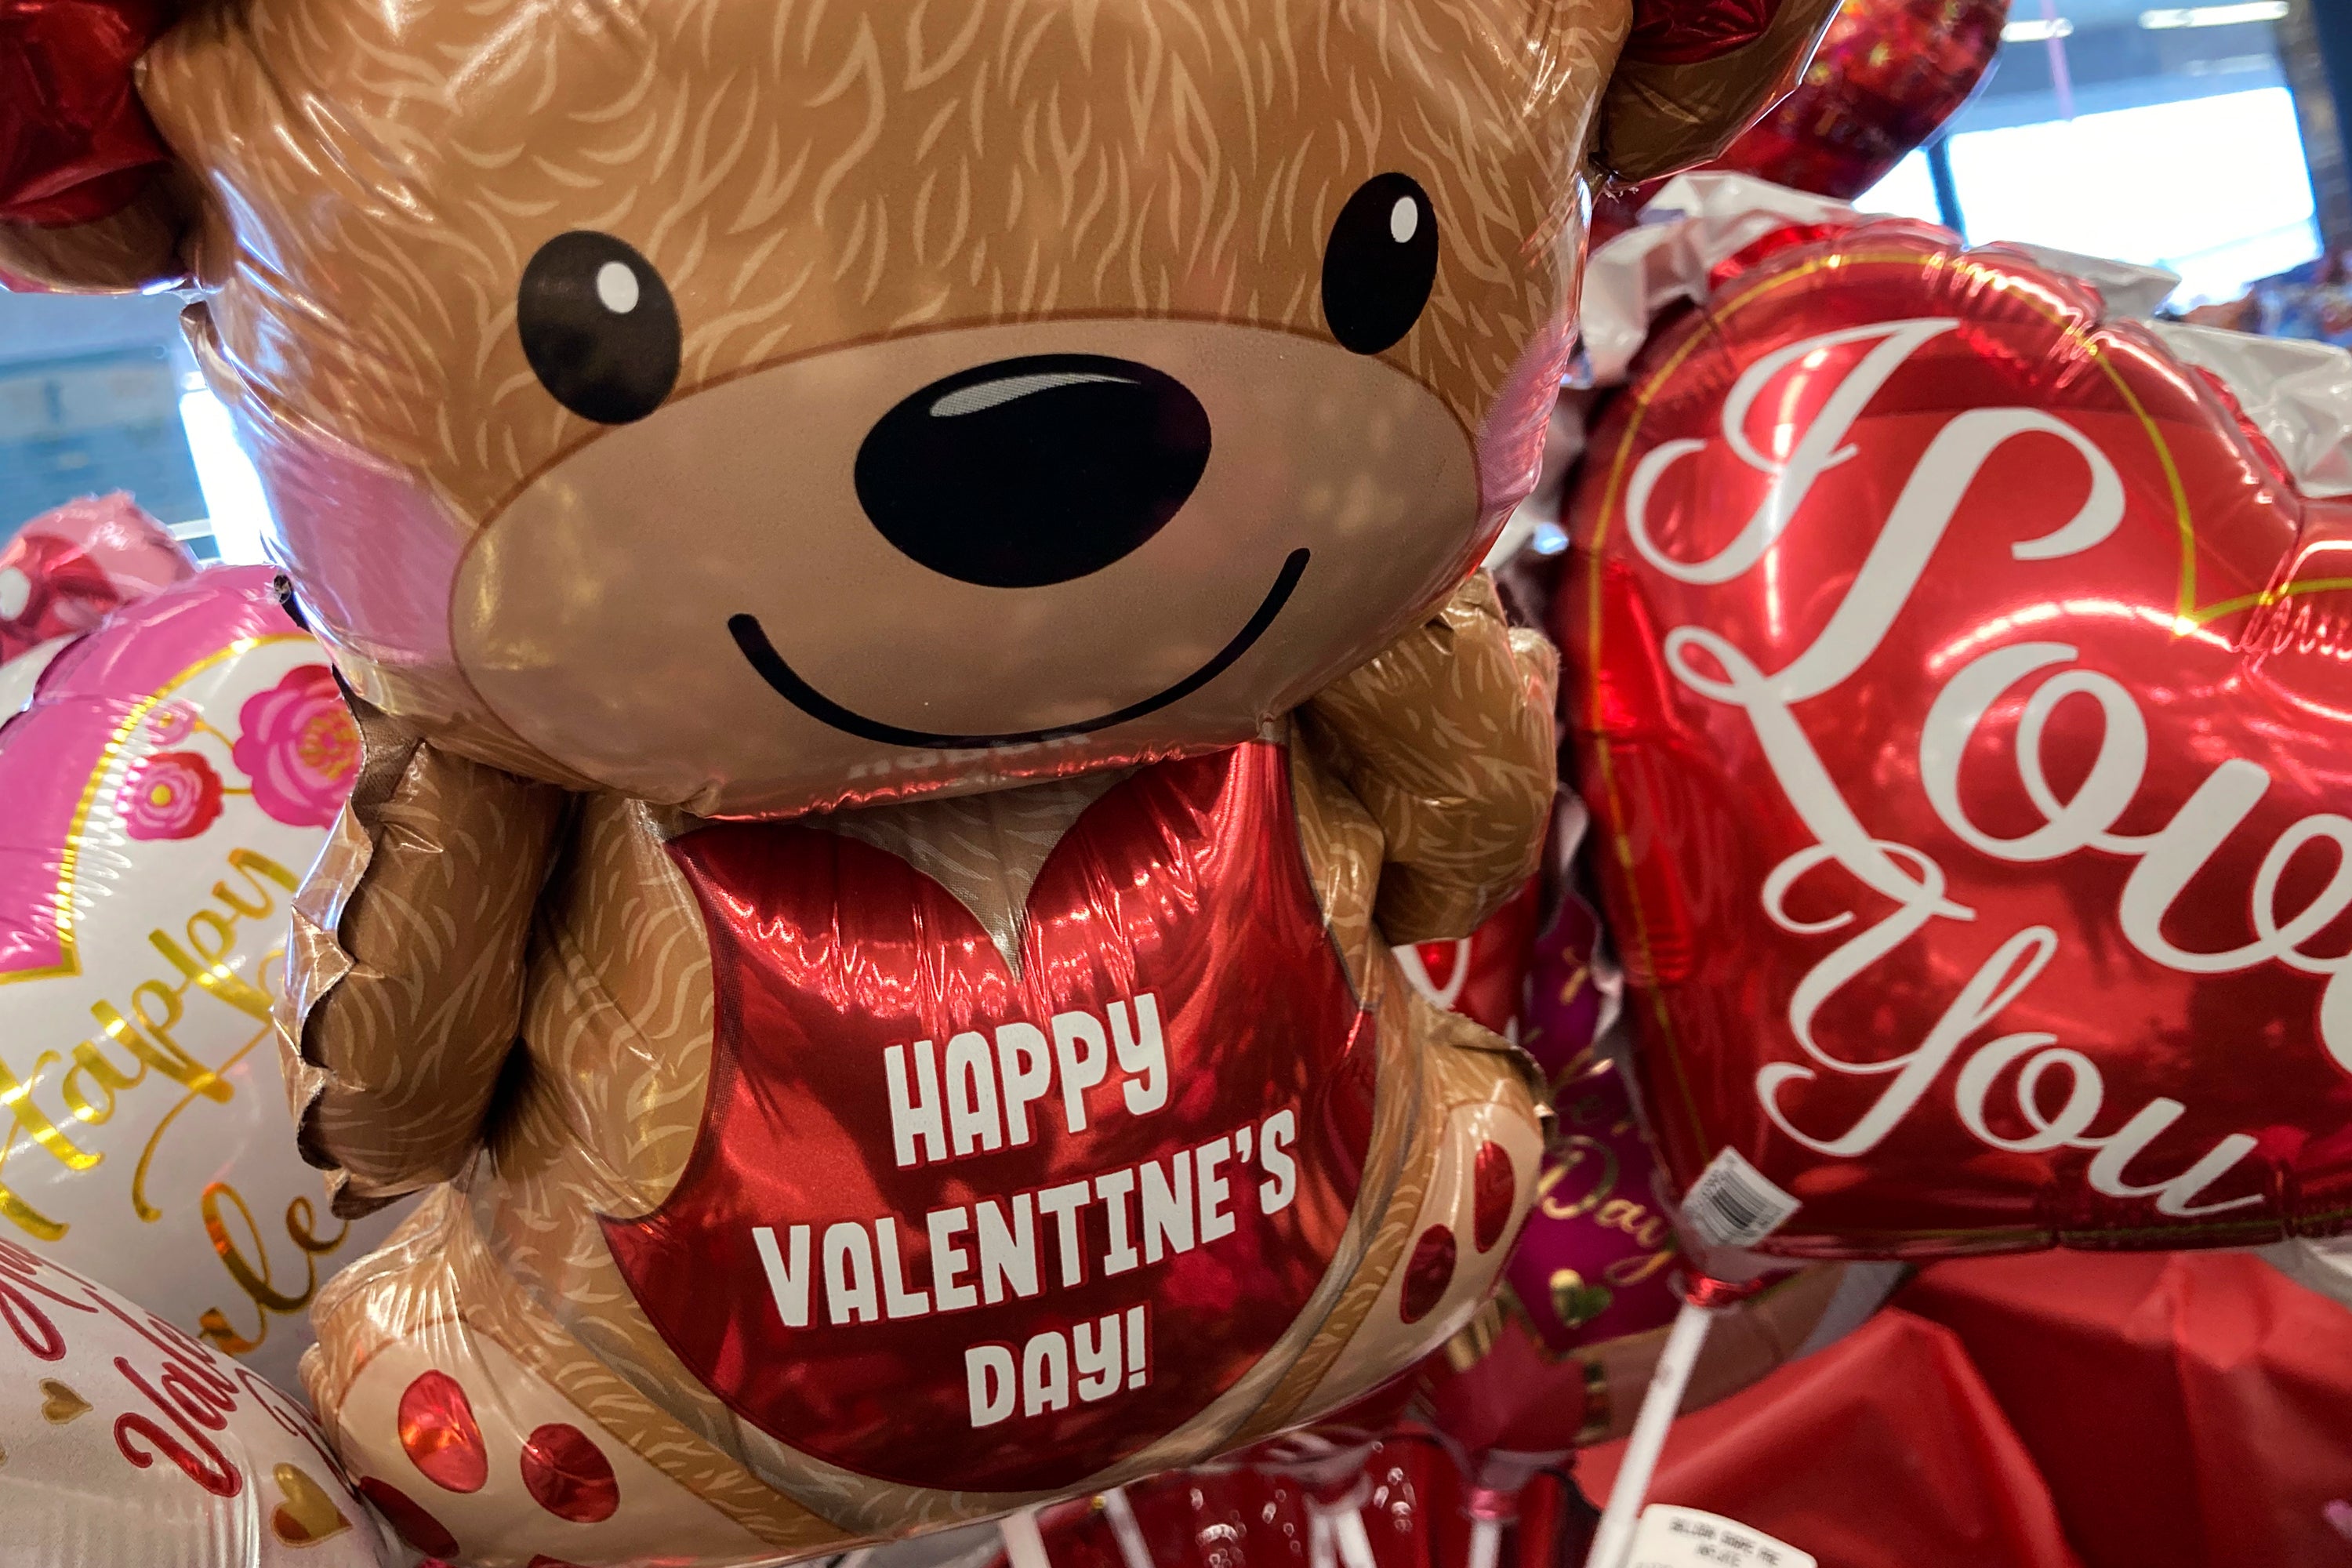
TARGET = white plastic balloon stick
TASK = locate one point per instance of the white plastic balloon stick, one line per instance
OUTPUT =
(1132, 1549)
(1336, 1537)
(1322, 1551)
(1354, 1541)
(1024, 1543)
(1684, 1340)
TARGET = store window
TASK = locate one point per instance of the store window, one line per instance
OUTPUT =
(101, 394)
(1909, 191)
(2160, 134)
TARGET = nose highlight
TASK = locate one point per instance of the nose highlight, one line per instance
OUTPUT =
(1032, 471)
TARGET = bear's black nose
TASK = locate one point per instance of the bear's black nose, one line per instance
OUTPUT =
(1032, 471)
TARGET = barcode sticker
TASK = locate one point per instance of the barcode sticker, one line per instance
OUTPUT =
(1671, 1537)
(1733, 1204)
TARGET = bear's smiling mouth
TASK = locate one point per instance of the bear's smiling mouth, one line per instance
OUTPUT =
(763, 657)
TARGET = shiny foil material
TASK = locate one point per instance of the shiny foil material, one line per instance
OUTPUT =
(1887, 74)
(1685, 33)
(132, 1444)
(1955, 669)
(74, 145)
(67, 567)
(963, 1153)
(164, 794)
(1412, 1511)
(503, 551)
(1178, 1128)
(1561, 1355)
(928, 469)
(1696, 72)
(1598, 1258)
(1483, 975)
(942, 429)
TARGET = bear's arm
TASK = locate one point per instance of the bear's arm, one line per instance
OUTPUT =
(1447, 736)
(406, 964)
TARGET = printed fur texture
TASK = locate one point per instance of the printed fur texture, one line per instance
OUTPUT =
(846, 202)
(814, 173)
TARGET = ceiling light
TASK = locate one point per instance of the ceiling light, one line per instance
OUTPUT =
(2216, 16)
(2038, 32)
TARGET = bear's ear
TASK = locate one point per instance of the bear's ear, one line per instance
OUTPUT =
(1696, 73)
(89, 199)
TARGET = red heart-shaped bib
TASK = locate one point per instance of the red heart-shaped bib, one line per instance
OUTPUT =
(954, 1221)
(1966, 698)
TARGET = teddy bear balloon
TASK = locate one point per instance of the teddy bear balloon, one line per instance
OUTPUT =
(904, 573)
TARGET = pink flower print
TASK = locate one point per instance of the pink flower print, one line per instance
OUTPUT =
(171, 723)
(299, 747)
(171, 795)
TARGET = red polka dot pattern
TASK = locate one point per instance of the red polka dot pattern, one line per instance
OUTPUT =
(417, 1527)
(1427, 1273)
(569, 1475)
(443, 1439)
(1494, 1190)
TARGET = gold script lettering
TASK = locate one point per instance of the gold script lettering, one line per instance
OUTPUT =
(157, 1048)
(246, 862)
(1573, 1149)
(89, 1061)
(1634, 1219)
(18, 1098)
(217, 979)
(88, 1088)
(256, 1277)
(1633, 1270)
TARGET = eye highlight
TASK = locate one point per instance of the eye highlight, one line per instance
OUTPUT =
(1379, 265)
(599, 327)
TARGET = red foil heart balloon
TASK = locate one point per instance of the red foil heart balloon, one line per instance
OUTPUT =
(1966, 707)
(1887, 75)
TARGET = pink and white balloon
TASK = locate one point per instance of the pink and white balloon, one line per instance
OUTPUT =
(168, 786)
(129, 1445)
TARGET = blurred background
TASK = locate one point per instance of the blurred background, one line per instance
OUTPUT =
(100, 395)
(2198, 139)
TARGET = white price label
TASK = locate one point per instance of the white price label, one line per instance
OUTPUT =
(1671, 1537)
(1733, 1204)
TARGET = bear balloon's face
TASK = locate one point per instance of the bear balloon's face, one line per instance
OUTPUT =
(760, 407)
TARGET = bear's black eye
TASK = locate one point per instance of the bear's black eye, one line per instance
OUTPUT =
(1380, 264)
(599, 327)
